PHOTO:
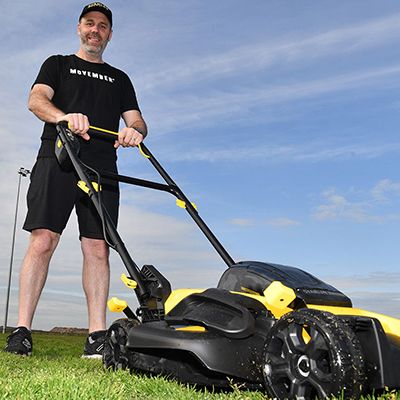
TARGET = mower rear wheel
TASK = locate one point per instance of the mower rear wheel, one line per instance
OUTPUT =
(115, 354)
(312, 354)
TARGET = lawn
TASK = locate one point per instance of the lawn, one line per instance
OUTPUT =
(57, 371)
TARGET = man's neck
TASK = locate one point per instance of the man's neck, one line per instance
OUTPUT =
(94, 58)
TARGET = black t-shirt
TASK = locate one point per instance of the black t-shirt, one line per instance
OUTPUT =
(99, 91)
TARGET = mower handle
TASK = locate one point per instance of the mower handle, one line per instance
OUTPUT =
(105, 133)
(110, 135)
(66, 124)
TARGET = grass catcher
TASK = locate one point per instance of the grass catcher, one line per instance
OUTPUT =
(267, 326)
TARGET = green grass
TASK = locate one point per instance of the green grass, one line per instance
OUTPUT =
(57, 371)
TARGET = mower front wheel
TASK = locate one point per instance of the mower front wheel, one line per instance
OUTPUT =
(115, 354)
(312, 354)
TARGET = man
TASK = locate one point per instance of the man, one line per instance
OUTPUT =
(80, 89)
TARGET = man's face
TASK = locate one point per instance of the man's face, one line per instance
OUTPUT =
(95, 32)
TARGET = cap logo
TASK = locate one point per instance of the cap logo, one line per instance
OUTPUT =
(97, 4)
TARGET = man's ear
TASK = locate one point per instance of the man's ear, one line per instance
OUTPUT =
(110, 35)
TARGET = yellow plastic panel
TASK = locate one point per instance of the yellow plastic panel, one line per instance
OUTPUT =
(277, 312)
(182, 204)
(116, 305)
(177, 295)
(82, 185)
(249, 291)
(191, 329)
(129, 282)
(279, 295)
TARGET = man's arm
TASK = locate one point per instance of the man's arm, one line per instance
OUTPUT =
(135, 130)
(41, 105)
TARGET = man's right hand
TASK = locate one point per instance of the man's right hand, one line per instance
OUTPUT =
(77, 123)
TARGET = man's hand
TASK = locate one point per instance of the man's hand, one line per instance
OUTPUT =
(78, 124)
(128, 137)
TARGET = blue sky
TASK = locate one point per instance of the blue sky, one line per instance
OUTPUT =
(279, 119)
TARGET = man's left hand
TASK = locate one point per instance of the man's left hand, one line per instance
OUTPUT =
(128, 137)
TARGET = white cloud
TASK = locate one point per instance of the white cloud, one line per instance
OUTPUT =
(260, 56)
(387, 302)
(174, 99)
(241, 222)
(312, 152)
(371, 281)
(384, 189)
(282, 222)
(338, 207)
(188, 109)
(374, 291)
(367, 209)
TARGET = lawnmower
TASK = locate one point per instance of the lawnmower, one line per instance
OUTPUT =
(264, 326)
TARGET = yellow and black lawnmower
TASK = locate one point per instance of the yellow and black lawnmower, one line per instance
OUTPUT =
(266, 326)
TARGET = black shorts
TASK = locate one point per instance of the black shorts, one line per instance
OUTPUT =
(52, 195)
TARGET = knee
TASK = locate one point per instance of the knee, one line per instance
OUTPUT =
(95, 249)
(43, 241)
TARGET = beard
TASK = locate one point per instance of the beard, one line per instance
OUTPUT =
(95, 49)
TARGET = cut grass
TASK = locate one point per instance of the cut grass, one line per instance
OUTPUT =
(57, 371)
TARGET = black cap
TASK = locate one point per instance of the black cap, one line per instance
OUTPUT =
(97, 6)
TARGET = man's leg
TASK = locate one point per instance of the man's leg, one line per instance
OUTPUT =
(96, 280)
(51, 197)
(33, 273)
(96, 268)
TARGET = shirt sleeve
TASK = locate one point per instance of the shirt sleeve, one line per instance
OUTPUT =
(128, 97)
(49, 73)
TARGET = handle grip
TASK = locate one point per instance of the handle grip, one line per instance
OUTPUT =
(105, 133)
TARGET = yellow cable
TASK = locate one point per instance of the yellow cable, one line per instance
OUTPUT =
(103, 130)
(95, 128)
(142, 152)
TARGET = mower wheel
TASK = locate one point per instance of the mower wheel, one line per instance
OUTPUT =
(115, 354)
(312, 354)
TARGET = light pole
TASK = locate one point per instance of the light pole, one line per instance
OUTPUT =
(22, 172)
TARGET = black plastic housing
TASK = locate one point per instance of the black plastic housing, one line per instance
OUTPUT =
(257, 276)
(160, 348)
(218, 310)
(381, 352)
